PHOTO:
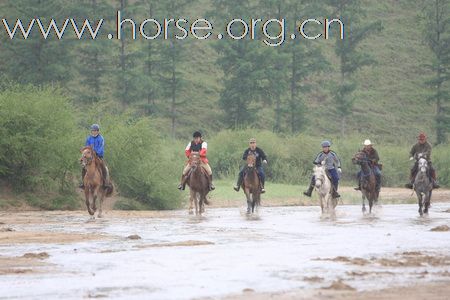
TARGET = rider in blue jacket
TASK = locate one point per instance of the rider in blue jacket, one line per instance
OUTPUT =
(97, 142)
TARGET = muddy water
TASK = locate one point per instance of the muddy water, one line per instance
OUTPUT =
(184, 257)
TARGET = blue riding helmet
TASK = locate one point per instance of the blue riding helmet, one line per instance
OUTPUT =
(95, 127)
(326, 144)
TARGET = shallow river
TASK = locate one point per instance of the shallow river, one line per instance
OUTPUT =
(225, 252)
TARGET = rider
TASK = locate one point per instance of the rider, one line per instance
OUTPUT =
(97, 142)
(372, 156)
(423, 148)
(200, 146)
(332, 163)
(260, 158)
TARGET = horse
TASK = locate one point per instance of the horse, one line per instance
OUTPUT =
(423, 186)
(198, 184)
(324, 189)
(93, 181)
(251, 184)
(368, 180)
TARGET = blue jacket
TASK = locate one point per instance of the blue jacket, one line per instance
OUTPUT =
(98, 143)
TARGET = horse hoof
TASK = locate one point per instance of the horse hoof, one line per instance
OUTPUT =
(191, 212)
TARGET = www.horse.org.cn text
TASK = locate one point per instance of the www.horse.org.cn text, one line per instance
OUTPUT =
(272, 32)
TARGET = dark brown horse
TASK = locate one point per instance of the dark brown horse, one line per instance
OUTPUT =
(93, 181)
(198, 184)
(251, 184)
(368, 180)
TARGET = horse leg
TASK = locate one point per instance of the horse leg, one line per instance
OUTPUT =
(194, 198)
(87, 195)
(94, 199)
(419, 197)
(191, 202)
(254, 197)
(201, 203)
(249, 201)
(101, 198)
(363, 203)
(427, 202)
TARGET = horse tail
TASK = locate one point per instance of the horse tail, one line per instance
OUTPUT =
(109, 191)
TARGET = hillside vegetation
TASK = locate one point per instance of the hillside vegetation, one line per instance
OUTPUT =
(149, 96)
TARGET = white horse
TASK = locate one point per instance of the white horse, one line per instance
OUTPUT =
(423, 186)
(324, 189)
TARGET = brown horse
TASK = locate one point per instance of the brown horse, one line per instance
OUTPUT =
(368, 180)
(251, 184)
(198, 184)
(93, 180)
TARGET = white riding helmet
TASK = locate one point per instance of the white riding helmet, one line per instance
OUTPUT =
(367, 143)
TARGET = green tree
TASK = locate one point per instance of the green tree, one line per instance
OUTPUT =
(94, 56)
(306, 60)
(35, 59)
(351, 58)
(437, 36)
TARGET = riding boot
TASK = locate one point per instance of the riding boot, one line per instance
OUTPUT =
(182, 184)
(410, 184)
(310, 188)
(211, 185)
(83, 173)
(335, 194)
(262, 187)
(239, 182)
(359, 186)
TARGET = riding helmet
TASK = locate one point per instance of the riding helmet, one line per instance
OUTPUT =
(197, 134)
(95, 127)
(326, 144)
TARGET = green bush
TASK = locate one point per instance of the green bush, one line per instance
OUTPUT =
(141, 164)
(37, 138)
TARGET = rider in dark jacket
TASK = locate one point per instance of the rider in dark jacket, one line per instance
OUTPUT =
(423, 149)
(260, 159)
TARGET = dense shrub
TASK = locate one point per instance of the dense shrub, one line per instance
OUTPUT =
(37, 139)
(141, 164)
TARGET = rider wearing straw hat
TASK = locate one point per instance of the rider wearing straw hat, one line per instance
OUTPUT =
(333, 166)
(372, 156)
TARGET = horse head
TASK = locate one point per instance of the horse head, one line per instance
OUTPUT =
(87, 156)
(194, 160)
(422, 164)
(359, 157)
(251, 160)
(319, 174)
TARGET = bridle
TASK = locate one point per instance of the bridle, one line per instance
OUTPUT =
(85, 161)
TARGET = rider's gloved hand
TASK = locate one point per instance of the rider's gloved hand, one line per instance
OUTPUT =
(339, 170)
(265, 162)
(411, 158)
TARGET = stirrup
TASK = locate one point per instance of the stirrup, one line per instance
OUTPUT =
(180, 187)
(212, 187)
(236, 188)
(357, 188)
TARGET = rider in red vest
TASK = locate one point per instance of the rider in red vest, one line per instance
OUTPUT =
(200, 146)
